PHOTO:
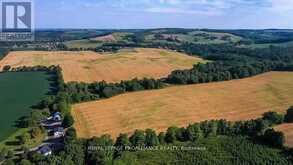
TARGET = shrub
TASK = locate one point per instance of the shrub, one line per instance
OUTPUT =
(170, 136)
(9, 162)
(25, 162)
(289, 115)
(68, 121)
(161, 138)
(151, 138)
(70, 134)
(6, 68)
(24, 138)
(193, 132)
(273, 118)
(138, 138)
(274, 138)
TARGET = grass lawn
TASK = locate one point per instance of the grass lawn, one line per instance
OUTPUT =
(19, 91)
(12, 142)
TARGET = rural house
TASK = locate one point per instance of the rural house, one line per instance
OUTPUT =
(57, 116)
(58, 132)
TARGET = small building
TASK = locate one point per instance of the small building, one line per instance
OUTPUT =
(45, 150)
(58, 132)
(56, 116)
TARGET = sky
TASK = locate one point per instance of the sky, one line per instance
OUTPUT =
(133, 14)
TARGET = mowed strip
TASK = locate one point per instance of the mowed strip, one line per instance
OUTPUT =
(181, 105)
(89, 66)
(287, 129)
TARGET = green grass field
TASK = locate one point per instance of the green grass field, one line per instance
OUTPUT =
(18, 92)
(85, 43)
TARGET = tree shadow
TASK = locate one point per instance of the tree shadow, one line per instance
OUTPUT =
(12, 143)
(21, 122)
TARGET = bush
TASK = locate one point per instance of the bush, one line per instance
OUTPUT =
(68, 121)
(37, 131)
(3, 154)
(161, 138)
(273, 118)
(6, 68)
(151, 138)
(25, 162)
(70, 134)
(274, 138)
(170, 136)
(9, 162)
(289, 115)
(24, 138)
(138, 138)
(10, 154)
(193, 132)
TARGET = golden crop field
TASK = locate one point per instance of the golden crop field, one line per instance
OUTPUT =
(287, 129)
(87, 66)
(181, 105)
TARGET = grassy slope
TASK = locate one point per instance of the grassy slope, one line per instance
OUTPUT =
(197, 37)
(12, 142)
(180, 105)
(84, 43)
(220, 150)
(91, 43)
(19, 91)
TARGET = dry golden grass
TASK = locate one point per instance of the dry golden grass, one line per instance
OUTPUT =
(89, 66)
(287, 129)
(180, 105)
(106, 38)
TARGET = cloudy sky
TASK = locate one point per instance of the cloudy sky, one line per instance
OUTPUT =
(164, 13)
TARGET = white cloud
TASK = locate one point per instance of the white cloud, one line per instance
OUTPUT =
(281, 5)
(182, 11)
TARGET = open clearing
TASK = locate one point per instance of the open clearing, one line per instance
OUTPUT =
(98, 41)
(287, 129)
(89, 66)
(19, 91)
(180, 105)
(106, 38)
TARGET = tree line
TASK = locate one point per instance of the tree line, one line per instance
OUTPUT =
(79, 92)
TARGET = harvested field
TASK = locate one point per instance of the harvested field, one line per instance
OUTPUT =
(180, 105)
(107, 38)
(89, 66)
(287, 129)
